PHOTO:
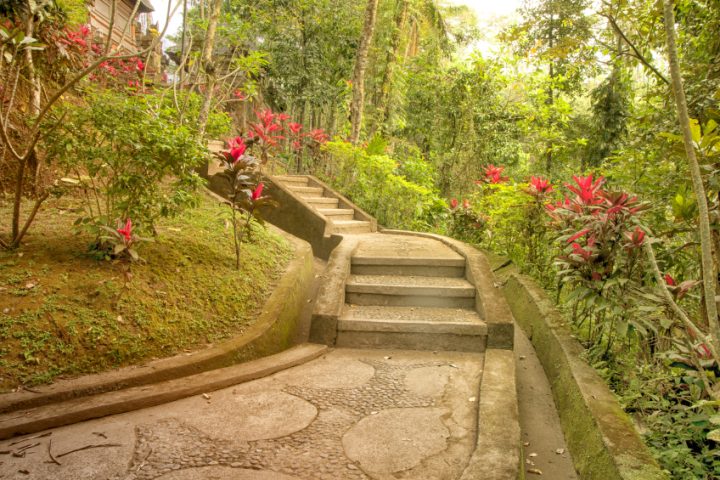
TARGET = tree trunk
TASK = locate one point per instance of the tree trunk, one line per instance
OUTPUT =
(358, 81)
(386, 85)
(708, 272)
(208, 66)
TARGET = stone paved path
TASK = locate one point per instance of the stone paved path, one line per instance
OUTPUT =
(351, 414)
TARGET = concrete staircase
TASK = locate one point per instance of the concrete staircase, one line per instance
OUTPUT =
(419, 302)
(325, 202)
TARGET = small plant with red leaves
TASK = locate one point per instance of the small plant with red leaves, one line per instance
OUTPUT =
(120, 243)
(244, 191)
(602, 262)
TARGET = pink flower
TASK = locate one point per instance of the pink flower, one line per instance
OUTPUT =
(466, 203)
(296, 145)
(295, 127)
(239, 94)
(258, 191)
(140, 65)
(454, 203)
(126, 231)
(282, 117)
(540, 185)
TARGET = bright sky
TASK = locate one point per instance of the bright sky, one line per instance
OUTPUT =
(493, 16)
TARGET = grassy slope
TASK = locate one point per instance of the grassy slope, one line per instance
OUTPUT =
(63, 312)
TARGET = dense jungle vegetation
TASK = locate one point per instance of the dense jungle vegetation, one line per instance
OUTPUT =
(583, 146)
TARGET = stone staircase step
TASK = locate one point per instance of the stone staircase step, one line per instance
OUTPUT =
(410, 266)
(325, 202)
(419, 291)
(306, 192)
(411, 328)
(351, 226)
(335, 214)
(289, 180)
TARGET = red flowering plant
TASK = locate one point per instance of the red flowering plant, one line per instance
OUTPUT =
(266, 133)
(601, 262)
(120, 243)
(243, 192)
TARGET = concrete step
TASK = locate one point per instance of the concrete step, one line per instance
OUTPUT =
(289, 180)
(306, 192)
(409, 291)
(322, 202)
(412, 328)
(413, 266)
(335, 214)
(351, 226)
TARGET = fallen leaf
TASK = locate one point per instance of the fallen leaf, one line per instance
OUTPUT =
(472, 399)
(535, 471)
(560, 451)
(206, 396)
(526, 444)
(532, 455)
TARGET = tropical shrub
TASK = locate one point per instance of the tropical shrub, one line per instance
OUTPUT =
(374, 183)
(129, 158)
(243, 191)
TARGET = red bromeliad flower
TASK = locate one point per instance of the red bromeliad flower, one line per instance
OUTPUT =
(454, 203)
(295, 127)
(669, 280)
(493, 174)
(235, 142)
(126, 231)
(281, 117)
(239, 94)
(266, 117)
(139, 65)
(257, 192)
(238, 152)
(636, 237)
(540, 185)
(587, 191)
(297, 145)
(319, 135)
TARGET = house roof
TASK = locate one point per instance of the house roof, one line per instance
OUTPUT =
(145, 6)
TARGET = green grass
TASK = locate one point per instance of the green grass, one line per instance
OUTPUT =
(64, 313)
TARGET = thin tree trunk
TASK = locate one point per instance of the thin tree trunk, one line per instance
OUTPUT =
(392, 55)
(208, 66)
(708, 272)
(358, 86)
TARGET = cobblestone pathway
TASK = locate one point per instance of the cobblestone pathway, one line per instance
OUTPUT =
(352, 414)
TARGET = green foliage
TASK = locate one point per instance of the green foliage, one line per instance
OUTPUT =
(130, 156)
(374, 183)
(76, 11)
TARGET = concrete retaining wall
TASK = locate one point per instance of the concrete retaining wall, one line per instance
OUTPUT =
(601, 437)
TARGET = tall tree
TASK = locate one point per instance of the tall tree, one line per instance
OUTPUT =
(708, 271)
(208, 65)
(358, 79)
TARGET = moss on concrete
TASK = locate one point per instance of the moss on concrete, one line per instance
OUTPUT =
(600, 436)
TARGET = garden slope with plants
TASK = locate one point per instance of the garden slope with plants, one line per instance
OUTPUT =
(67, 313)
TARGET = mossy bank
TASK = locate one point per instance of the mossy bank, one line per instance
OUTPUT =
(62, 312)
